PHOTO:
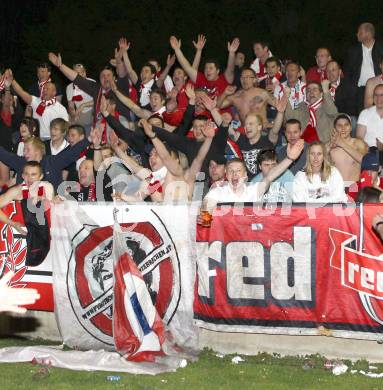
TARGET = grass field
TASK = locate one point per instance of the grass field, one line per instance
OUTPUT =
(209, 372)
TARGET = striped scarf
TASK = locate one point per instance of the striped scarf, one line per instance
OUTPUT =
(312, 110)
(42, 84)
(43, 105)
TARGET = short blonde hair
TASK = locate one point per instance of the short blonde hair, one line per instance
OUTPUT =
(257, 117)
(37, 144)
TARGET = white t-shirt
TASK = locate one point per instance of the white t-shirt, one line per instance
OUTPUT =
(74, 90)
(367, 70)
(316, 190)
(55, 151)
(56, 110)
(225, 193)
(370, 118)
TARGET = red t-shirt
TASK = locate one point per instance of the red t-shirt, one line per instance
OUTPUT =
(316, 75)
(214, 88)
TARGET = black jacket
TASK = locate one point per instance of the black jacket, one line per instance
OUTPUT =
(354, 59)
(345, 99)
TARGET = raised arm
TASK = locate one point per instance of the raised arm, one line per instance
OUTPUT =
(68, 72)
(293, 153)
(171, 59)
(67, 156)
(96, 141)
(328, 102)
(11, 159)
(280, 105)
(11, 195)
(199, 45)
(232, 47)
(211, 105)
(196, 165)
(226, 98)
(140, 112)
(24, 95)
(141, 172)
(173, 165)
(190, 71)
(120, 66)
(124, 47)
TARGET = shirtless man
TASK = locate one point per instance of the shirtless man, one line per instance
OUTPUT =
(370, 86)
(173, 183)
(346, 153)
(248, 99)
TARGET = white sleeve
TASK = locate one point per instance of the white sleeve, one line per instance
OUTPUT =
(69, 92)
(336, 185)
(363, 118)
(168, 83)
(64, 113)
(35, 102)
(300, 190)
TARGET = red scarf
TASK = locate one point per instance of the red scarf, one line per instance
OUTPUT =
(156, 180)
(43, 105)
(77, 97)
(154, 186)
(91, 193)
(98, 104)
(6, 117)
(104, 137)
(276, 78)
(313, 109)
(322, 74)
(310, 133)
(333, 88)
(41, 86)
(25, 191)
(84, 152)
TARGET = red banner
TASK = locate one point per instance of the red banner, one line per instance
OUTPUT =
(13, 249)
(283, 270)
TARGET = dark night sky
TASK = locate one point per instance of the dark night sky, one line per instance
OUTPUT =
(87, 31)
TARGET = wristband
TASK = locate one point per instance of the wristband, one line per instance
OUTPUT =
(154, 136)
(290, 159)
(98, 148)
(378, 224)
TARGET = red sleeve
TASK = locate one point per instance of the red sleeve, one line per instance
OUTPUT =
(201, 80)
(312, 75)
(182, 100)
(133, 93)
(173, 118)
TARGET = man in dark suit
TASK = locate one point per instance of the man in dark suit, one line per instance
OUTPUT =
(341, 90)
(362, 61)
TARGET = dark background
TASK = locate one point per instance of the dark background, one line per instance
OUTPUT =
(88, 31)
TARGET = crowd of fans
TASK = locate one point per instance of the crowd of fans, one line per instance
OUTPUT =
(259, 130)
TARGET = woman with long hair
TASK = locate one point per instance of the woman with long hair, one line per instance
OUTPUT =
(319, 181)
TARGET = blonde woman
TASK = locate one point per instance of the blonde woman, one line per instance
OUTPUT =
(319, 181)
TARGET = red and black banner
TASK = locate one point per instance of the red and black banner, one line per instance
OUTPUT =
(290, 270)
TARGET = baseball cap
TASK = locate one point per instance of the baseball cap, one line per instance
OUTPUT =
(370, 162)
